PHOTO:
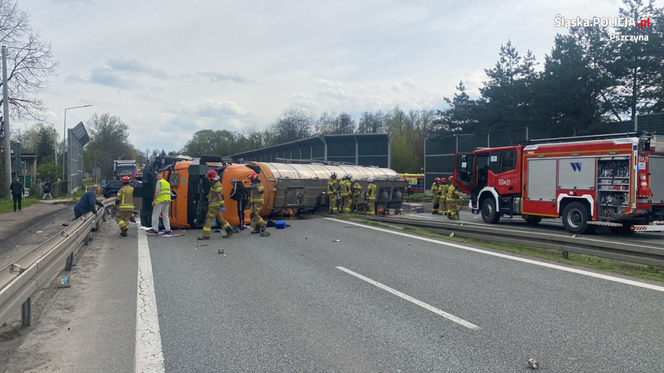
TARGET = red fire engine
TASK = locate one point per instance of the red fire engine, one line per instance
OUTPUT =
(585, 180)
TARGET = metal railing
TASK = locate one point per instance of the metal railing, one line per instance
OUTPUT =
(37, 268)
(594, 246)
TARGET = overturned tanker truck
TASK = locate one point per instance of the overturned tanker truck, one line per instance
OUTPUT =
(295, 187)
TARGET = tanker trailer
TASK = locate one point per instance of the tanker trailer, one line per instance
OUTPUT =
(303, 187)
(299, 187)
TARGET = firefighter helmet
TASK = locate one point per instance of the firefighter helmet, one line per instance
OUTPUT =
(436, 180)
(371, 179)
(443, 180)
(211, 174)
(334, 175)
(252, 177)
(347, 176)
(125, 179)
(353, 180)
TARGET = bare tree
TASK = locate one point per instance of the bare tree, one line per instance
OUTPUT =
(29, 61)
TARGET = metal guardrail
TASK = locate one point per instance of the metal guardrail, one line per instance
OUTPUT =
(617, 250)
(35, 269)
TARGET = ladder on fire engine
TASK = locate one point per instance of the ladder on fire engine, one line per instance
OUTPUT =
(584, 138)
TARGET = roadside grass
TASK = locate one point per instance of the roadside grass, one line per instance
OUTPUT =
(615, 266)
(7, 205)
(417, 197)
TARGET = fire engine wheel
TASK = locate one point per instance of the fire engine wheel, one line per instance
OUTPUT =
(575, 217)
(489, 213)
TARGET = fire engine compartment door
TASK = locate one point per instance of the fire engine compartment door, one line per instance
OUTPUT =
(541, 179)
(656, 169)
(464, 169)
(576, 173)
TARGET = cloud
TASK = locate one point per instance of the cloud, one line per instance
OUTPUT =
(212, 109)
(220, 77)
(135, 66)
(110, 78)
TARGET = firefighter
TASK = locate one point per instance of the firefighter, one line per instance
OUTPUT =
(333, 192)
(435, 195)
(125, 201)
(256, 201)
(443, 189)
(370, 196)
(344, 192)
(452, 200)
(215, 207)
(356, 190)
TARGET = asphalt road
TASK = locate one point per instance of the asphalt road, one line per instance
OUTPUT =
(281, 304)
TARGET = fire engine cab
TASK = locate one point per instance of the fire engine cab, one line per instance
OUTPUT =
(585, 180)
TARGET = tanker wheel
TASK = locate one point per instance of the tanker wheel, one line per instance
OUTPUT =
(575, 217)
(489, 213)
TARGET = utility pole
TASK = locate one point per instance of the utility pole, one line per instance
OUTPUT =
(5, 102)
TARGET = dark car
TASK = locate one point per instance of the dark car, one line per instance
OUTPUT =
(111, 189)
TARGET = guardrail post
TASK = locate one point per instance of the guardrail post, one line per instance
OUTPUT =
(565, 254)
(25, 313)
(87, 239)
(70, 260)
(97, 225)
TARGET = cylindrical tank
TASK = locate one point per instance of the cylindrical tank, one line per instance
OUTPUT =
(304, 186)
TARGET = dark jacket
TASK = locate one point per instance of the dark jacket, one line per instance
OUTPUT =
(239, 192)
(17, 188)
(47, 187)
(87, 203)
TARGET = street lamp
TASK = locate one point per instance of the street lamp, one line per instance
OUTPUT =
(64, 135)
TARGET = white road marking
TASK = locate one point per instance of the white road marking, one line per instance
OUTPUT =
(148, 355)
(516, 258)
(426, 306)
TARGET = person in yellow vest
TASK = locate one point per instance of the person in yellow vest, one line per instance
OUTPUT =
(452, 200)
(333, 193)
(370, 196)
(435, 195)
(442, 190)
(356, 190)
(215, 207)
(160, 204)
(125, 201)
(344, 192)
(256, 200)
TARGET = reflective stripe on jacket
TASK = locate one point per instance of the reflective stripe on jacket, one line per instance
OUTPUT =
(164, 192)
(216, 196)
(256, 194)
(332, 186)
(126, 197)
(344, 188)
(371, 192)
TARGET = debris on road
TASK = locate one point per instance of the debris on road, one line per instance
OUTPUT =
(178, 235)
(40, 231)
(336, 240)
(220, 251)
(201, 245)
(452, 234)
(533, 364)
(64, 282)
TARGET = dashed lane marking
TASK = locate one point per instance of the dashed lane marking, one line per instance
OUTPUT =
(516, 258)
(424, 305)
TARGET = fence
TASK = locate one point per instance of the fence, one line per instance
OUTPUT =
(77, 138)
(439, 155)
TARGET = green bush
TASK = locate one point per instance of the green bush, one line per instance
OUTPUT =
(49, 172)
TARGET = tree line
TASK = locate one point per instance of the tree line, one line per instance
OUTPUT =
(593, 76)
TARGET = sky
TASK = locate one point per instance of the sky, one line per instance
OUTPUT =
(171, 68)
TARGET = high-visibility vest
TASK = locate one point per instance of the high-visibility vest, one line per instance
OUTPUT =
(371, 192)
(164, 191)
(452, 194)
(126, 197)
(435, 190)
(256, 195)
(332, 186)
(344, 188)
(216, 196)
(443, 189)
(357, 189)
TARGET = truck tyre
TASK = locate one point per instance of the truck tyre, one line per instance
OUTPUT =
(489, 213)
(533, 220)
(575, 217)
